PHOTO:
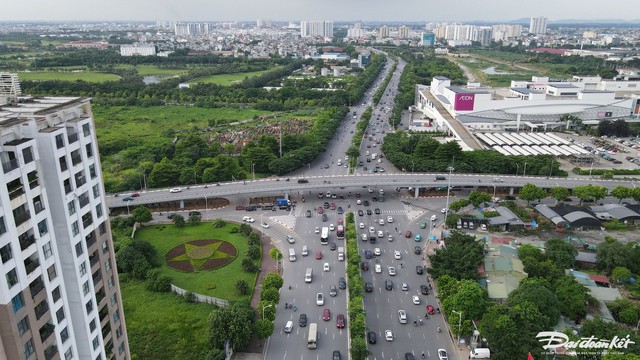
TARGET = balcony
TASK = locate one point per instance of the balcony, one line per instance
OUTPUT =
(97, 277)
(90, 240)
(20, 218)
(35, 288)
(27, 241)
(72, 138)
(93, 259)
(14, 193)
(86, 223)
(41, 309)
(50, 352)
(10, 165)
(38, 207)
(31, 265)
(33, 183)
(46, 330)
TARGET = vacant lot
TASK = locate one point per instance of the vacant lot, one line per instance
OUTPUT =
(229, 79)
(88, 76)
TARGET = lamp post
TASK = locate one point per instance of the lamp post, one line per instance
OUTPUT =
(253, 170)
(206, 207)
(524, 172)
(591, 167)
(309, 164)
(459, 323)
(264, 307)
(494, 189)
(517, 169)
(450, 168)
(195, 180)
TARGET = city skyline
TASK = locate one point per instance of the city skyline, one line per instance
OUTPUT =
(289, 10)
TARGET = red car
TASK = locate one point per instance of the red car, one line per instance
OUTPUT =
(340, 321)
(407, 234)
(430, 310)
(340, 221)
(326, 315)
(320, 210)
(332, 206)
(135, 194)
(239, 207)
(319, 255)
(357, 195)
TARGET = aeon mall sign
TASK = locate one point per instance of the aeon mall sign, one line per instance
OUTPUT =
(464, 102)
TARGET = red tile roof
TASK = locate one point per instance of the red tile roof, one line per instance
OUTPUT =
(599, 278)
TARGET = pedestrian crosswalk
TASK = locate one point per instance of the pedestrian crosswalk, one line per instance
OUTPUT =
(335, 213)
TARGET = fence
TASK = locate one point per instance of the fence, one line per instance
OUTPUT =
(201, 298)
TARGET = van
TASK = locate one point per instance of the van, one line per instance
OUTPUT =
(292, 255)
(309, 275)
(480, 353)
(305, 251)
(288, 327)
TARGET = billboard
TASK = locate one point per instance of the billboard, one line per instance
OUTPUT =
(464, 102)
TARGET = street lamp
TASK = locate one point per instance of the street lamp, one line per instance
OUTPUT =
(309, 164)
(253, 170)
(517, 169)
(195, 180)
(264, 307)
(206, 207)
(450, 168)
(524, 172)
(459, 323)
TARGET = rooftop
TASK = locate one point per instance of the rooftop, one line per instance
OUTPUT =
(460, 90)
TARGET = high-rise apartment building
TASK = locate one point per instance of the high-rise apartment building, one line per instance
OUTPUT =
(481, 34)
(261, 23)
(59, 293)
(506, 31)
(316, 28)
(383, 32)
(403, 32)
(538, 25)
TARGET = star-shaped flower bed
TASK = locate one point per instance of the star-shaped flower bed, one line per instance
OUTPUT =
(198, 255)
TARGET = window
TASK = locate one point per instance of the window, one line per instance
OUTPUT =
(27, 155)
(38, 206)
(99, 210)
(12, 278)
(28, 349)
(42, 227)
(89, 150)
(6, 253)
(17, 302)
(96, 191)
(83, 199)
(116, 316)
(79, 250)
(46, 249)
(85, 288)
(96, 342)
(105, 246)
(83, 268)
(63, 163)
(64, 335)
(118, 332)
(92, 325)
(80, 179)
(76, 158)
(23, 325)
(32, 178)
(71, 206)
(60, 314)
(107, 265)
(89, 306)
(59, 141)
(3, 227)
(112, 299)
(103, 229)
(68, 355)
(121, 348)
(110, 282)
(55, 294)
(86, 130)
(52, 272)
(92, 171)
(75, 229)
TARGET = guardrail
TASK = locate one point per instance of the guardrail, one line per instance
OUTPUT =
(201, 298)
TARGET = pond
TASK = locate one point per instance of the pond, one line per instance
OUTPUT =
(150, 79)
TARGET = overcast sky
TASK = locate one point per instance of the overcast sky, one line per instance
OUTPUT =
(295, 10)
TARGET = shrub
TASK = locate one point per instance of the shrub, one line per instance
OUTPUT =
(218, 223)
(242, 286)
(272, 280)
(158, 282)
(189, 297)
(254, 252)
(248, 265)
(270, 294)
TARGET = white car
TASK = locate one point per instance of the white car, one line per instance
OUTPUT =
(361, 225)
(397, 255)
(317, 230)
(402, 316)
(416, 300)
(442, 354)
(175, 190)
(433, 217)
(390, 219)
(380, 234)
(248, 219)
(370, 190)
(388, 335)
(392, 271)
(405, 287)
(264, 225)
(291, 239)
(377, 252)
(358, 202)
(381, 222)
(331, 227)
(444, 210)
(390, 237)
(364, 237)
(378, 268)
(325, 267)
(372, 230)
(319, 299)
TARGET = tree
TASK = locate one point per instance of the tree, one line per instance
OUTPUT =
(130, 260)
(447, 286)
(621, 192)
(215, 354)
(610, 254)
(195, 219)
(178, 220)
(234, 322)
(503, 333)
(272, 280)
(275, 254)
(537, 292)
(267, 309)
(242, 286)
(164, 173)
(545, 269)
(253, 252)
(590, 192)
(572, 298)
(561, 253)
(459, 259)
(559, 193)
(531, 192)
(479, 197)
(621, 275)
(142, 214)
(270, 294)
(264, 328)
(248, 265)
(528, 250)
(470, 297)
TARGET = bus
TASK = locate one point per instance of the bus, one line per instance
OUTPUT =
(324, 236)
(340, 232)
(312, 341)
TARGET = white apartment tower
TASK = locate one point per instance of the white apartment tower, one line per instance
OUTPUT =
(403, 32)
(316, 29)
(383, 32)
(538, 25)
(60, 295)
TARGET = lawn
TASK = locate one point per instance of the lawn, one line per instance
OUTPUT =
(154, 70)
(68, 76)
(220, 283)
(162, 326)
(229, 79)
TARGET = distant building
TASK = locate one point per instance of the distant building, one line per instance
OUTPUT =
(427, 39)
(481, 35)
(191, 29)
(263, 23)
(403, 32)
(538, 25)
(138, 50)
(364, 59)
(316, 29)
(9, 85)
(505, 31)
(383, 32)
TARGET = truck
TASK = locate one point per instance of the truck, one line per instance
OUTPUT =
(283, 203)
(340, 253)
(374, 156)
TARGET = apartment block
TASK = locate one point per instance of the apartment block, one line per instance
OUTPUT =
(59, 293)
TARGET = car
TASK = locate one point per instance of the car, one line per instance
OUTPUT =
(325, 267)
(325, 218)
(336, 355)
(360, 213)
(290, 239)
(388, 335)
(369, 212)
(328, 195)
(305, 250)
(365, 203)
(358, 202)
(442, 354)
(195, 213)
(371, 337)
(361, 226)
(332, 206)
(424, 289)
(440, 178)
(370, 190)
(377, 211)
(392, 271)
(388, 284)
(434, 217)
(127, 198)
(368, 254)
(423, 225)
(302, 321)
(372, 230)
(358, 194)
(240, 207)
(175, 190)
(303, 181)
(483, 227)
(402, 316)
(405, 287)
(332, 246)
(364, 237)
(321, 195)
(496, 179)
(308, 213)
(171, 216)
(326, 314)
(417, 250)
(368, 287)
(265, 225)
(409, 356)
(378, 268)
(390, 219)
(326, 204)
(430, 310)
(377, 252)
(317, 230)
(320, 210)
(444, 210)
(340, 321)
(135, 194)
(331, 227)
(419, 269)
(318, 255)
(389, 237)
(407, 234)
(380, 234)
(342, 283)
(340, 211)
(340, 221)
(364, 266)
(415, 299)
(319, 299)
(397, 255)
(381, 222)
(418, 238)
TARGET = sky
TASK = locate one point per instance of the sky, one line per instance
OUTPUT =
(295, 10)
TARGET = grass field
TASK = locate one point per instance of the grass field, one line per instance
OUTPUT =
(164, 326)
(67, 76)
(219, 283)
(229, 79)
(154, 70)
